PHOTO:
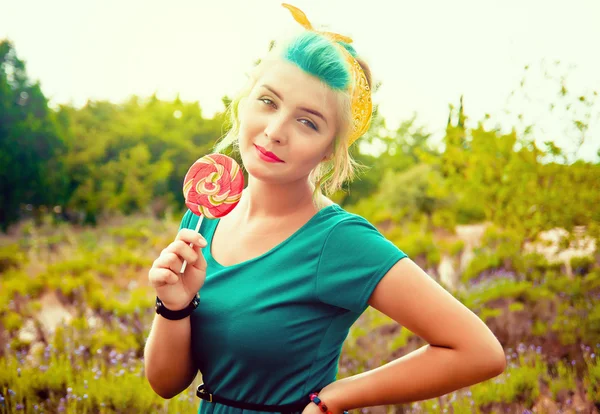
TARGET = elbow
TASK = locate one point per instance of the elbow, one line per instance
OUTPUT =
(161, 390)
(165, 394)
(488, 358)
(166, 383)
(498, 358)
(159, 382)
(499, 366)
(494, 361)
(157, 378)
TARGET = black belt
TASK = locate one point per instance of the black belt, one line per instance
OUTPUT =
(286, 408)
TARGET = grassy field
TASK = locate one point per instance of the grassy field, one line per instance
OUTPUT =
(75, 310)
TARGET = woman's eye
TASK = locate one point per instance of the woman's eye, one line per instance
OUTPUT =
(267, 101)
(309, 124)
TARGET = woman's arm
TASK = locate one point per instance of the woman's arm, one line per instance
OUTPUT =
(462, 350)
(168, 359)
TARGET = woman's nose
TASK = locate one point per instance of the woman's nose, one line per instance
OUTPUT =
(275, 129)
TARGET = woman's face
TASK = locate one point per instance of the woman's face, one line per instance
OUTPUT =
(287, 124)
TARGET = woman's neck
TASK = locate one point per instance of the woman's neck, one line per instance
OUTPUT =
(262, 200)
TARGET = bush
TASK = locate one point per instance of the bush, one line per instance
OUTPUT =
(581, 265)
(11, 256)
(418, 244)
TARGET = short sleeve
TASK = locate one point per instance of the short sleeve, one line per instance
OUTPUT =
(355, 257)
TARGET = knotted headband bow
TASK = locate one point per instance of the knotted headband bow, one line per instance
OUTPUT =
(361, 103)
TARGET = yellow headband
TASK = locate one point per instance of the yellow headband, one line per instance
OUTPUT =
(362, 106)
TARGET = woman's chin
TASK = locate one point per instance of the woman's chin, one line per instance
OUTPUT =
(261, 171)
(268, 176)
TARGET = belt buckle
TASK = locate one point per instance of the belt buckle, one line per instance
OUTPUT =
(202, 390)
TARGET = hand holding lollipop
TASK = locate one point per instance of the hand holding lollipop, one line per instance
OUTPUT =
(212, 187)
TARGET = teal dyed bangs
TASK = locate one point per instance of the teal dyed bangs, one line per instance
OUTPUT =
(316, 55)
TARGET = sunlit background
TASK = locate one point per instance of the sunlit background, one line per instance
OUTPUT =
(483, 165)
(426, 53)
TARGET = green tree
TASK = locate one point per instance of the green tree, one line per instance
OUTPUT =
(31, 147)
(383, 152)
(512, 183)
(133, 156)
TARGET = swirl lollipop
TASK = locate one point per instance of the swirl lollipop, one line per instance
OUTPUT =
(212, 187)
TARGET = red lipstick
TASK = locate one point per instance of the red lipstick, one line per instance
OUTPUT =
(267, 155)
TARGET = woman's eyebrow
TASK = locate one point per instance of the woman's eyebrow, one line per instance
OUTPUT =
(315, 113)
(273, 91)
(310, 111)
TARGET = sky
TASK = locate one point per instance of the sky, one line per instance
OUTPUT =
(426, 54)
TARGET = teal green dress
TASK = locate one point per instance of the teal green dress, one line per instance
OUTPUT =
(270, 330)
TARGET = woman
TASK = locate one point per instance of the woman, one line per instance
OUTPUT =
(283, 277)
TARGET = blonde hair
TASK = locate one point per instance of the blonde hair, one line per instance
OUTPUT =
(329, 175)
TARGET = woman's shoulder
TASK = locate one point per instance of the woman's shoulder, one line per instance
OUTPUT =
(337, 217)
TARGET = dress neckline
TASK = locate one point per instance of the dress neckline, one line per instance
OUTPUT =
(212, 260)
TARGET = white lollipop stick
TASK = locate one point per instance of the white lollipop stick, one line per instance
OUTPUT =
(192, 244)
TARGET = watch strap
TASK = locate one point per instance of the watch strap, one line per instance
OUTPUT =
(172, 315)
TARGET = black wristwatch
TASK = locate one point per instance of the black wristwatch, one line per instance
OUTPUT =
(179, 314)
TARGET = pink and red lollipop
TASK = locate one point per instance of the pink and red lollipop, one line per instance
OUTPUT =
(212, 187)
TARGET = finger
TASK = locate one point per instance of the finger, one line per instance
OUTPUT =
(190, 236)
(175, 262)
(200, 263)
(169, 260)
(160, 277)
(183, 250)
(165, 259)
